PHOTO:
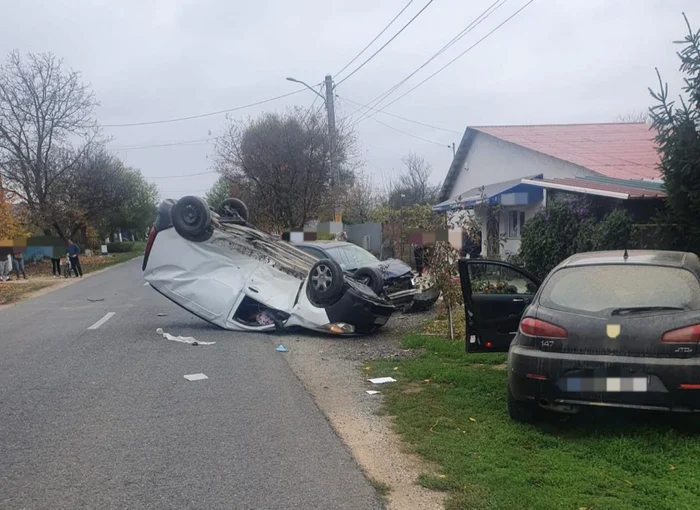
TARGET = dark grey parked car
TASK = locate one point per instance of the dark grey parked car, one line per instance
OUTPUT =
(610, 329)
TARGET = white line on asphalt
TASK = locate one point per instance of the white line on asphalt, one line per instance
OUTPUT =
(102, 320)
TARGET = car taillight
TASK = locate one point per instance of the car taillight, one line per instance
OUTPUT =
(541, 329)
(149, 245)
(689, 334)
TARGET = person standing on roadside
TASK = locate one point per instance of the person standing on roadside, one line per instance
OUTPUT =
(5, 267)
(74, 255)
(56, 266)
(18, 263)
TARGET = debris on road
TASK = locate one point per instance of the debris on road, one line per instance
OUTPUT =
(183, 339)
(196, 377)
(162, 315)
(371, 392)
(282, 348)
(381, 380)
(96, 300)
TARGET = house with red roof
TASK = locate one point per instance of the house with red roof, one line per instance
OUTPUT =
(518, 166)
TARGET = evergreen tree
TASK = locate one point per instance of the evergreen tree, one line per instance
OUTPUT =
(678, 137)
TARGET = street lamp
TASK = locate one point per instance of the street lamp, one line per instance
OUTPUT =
(330, 110)
(308, 87)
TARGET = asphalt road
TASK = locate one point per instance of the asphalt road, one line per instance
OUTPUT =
(103, 418)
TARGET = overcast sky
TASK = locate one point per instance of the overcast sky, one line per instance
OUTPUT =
(558, 61)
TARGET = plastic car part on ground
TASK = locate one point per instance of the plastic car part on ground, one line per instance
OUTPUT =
(182, 339)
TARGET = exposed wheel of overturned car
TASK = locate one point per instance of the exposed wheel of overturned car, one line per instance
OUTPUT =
(325, 284)
(372, 277)
(232, 208)
(191, 218)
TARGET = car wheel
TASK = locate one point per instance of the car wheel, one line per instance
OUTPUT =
(191, 218)
(232, 207)
(520, 410)
(371, 277)
(325, 284)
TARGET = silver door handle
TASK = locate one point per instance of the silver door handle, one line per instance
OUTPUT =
(518, 300)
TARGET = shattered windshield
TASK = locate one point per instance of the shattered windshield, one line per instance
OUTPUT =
(351, 257)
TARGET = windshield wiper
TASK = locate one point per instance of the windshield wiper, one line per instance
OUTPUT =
(639, 309)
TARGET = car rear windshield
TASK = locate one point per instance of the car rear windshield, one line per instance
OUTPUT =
(351, 257)
(596, 289)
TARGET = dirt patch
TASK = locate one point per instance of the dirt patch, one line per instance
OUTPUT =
(412, 388)
(15, 291)
(11, 292)
(332, 372)
(502, 366)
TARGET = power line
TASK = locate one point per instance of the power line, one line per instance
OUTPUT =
(402, 118)
(408, 134)
(471, 26)
(377, 37)
(171, 144)
(453, 60)
(191, 117)
(182, 176)
(386, 43)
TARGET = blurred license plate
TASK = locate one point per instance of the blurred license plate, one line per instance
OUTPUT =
(606, 384)
(381, 319)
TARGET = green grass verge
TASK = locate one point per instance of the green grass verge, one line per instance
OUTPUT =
(450, 407)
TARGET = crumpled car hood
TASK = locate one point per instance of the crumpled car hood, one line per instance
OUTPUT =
(392, 268)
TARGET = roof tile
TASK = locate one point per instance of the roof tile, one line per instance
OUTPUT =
(623, 151)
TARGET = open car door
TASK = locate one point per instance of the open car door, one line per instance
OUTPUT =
(495, 296)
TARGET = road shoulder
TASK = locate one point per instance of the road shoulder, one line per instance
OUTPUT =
(331, 371)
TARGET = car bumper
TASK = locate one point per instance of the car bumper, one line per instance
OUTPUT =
(551, 378)
(403, 297)
(366, 315)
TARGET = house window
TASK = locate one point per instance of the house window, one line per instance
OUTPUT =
(516, 220)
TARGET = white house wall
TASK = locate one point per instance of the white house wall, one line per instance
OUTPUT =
(491, 160)
(512, 245)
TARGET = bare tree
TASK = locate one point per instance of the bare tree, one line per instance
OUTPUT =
(282, 163)
(634, 117)
(361, 201)
(46, 125)
(413, 185)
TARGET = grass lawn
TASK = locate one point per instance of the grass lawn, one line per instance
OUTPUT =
(450, 407)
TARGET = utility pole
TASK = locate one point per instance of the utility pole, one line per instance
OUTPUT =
(330, 110)
(335, 171)
(454, 151)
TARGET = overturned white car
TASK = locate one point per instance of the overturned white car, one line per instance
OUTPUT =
(227, 272)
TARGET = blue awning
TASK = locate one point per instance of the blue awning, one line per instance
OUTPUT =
(505, 193)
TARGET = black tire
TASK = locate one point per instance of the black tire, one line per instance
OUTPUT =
(325, 285)
(232, 207)
(372, 277)
(519, 410)
(191, 218)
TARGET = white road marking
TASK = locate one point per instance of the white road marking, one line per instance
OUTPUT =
(195, 377)
(102, 320)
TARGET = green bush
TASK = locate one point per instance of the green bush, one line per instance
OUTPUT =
(124, 247)
(613, 232)
(569, 227)
(554, 234)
